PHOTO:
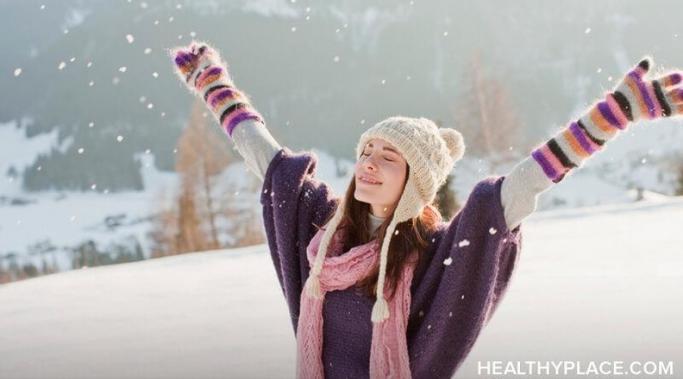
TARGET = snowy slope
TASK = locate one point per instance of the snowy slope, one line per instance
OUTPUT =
(593, 284)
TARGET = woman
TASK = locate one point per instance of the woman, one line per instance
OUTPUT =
(441, 281)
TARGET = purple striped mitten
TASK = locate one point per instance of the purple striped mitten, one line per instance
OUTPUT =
(203, 71)
(634, 99)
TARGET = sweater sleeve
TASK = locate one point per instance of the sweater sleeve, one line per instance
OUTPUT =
(295, 203)
(520, 191)
(256, 145)
(460, 281)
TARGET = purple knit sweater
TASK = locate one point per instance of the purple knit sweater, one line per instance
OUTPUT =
(451, 303)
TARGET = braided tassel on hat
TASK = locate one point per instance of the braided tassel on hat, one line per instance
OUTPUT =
(313, 282)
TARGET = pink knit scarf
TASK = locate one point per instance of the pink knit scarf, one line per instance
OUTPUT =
(389, 351)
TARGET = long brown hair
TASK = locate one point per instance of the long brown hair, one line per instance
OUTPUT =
(412, 235)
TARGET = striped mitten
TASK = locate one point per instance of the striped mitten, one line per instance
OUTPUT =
(635, 98)
(203, 71)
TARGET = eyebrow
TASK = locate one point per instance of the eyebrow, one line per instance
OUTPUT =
(384, 148)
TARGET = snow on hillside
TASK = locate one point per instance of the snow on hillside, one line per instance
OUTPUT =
(601, 283)
(67, 218)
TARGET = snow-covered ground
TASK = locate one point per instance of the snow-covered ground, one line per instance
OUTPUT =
(593, 284)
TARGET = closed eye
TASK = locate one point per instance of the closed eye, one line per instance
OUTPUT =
(386, 159)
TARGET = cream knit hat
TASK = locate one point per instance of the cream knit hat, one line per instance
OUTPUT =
(430, 152)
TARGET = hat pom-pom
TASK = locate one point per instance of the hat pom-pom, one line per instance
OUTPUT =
(454, 141)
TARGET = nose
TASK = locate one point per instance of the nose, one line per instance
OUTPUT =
(369, 164)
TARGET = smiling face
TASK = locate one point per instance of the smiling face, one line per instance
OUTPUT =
(382, 163)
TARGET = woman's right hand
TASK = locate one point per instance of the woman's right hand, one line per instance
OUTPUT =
(196, 59)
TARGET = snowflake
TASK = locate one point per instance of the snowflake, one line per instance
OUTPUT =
(17, 72)
(130, 38)
(123, 69)
(422, 313)
(450, 314)
(492, 230)
(448, 261)
(462, 297)
(463, 243)
(148, 50)
(81, 150)
(61, 65)
(119, 138)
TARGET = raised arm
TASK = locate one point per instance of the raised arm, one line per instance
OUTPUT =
(635, 98)
(202, 70)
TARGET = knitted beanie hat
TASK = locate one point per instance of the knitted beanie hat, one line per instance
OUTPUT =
(430, 152)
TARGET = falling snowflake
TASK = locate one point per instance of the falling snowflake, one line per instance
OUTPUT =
(193, 34)
(492, 230)
(119, 138)
(336, 58)
(448, 261)
(308, 18)
(408, 77)
(384, 81)
(463, 243)
(130, 38)
(362, 121)
(81, 150)
(450, 314)
(148, 50)
(156, 22)
(89, 65)
(147, 151)
(17, 72)
(115, 80)
(163, 114)
(429, 326)
(73, 59)
(142, 99)
(599, 70)
(155, 74)
(150, 106)
(293, 28)
(445, 34)
(92, 83)
(94, 186)
(72, 219)
(462, 297)
(42, 7)
(588, 30)
(422, 313)
(396, 233)
(123, 69)
(61, 65)
(143, 5)
(170, 19)
(178, 6)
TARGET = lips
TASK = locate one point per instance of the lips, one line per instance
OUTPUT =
(369, 180)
